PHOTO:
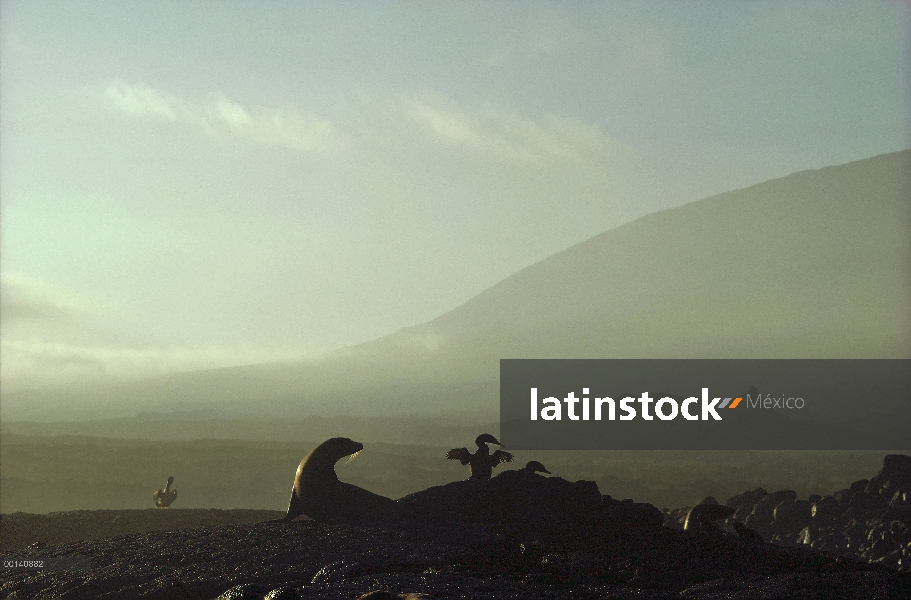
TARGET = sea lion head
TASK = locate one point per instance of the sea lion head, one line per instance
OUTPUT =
(334, 449)
(319, 465)
(486, 438)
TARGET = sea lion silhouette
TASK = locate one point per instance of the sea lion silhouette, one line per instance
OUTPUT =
(318, 493)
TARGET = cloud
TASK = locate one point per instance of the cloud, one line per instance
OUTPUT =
(35, 311)
(53, 335)
(32, 362)
(281, 128)
(506, 133)
(24, 298)
(446, 124)
(220, 116)
(141, 101)
(234, 115)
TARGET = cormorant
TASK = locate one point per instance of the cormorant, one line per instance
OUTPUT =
(534, 466)
(482, 462)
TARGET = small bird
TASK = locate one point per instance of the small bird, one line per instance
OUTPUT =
(164, 498)
(534, 466)
(482, 462)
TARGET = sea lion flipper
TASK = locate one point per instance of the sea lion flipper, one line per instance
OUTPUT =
(295, 506)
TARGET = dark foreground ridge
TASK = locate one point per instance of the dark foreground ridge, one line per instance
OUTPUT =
(460, 561)
(517, 535)
(20, 530)
(870, 521)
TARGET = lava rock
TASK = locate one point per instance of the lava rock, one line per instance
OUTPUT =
(245, 591)
(337, 571)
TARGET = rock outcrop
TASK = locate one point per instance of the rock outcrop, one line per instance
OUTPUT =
(870, 520)
(530, 507)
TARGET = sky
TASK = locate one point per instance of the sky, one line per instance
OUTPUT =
(189, 185)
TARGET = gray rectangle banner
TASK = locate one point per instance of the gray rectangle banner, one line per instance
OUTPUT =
(677, 404)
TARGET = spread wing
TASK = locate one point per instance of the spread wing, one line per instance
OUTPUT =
(501, 456)
(460, 454)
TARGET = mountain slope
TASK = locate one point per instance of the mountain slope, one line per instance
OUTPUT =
(813, 265)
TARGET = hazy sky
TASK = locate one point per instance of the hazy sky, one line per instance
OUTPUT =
(197, 184)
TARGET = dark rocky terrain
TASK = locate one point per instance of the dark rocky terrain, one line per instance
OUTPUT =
(518, 535)
(19, 530)
(870, 521)
(461, 561)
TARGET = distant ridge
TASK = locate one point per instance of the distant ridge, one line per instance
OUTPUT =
(813, 265)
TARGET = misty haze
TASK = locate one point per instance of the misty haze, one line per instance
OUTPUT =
(231, 232)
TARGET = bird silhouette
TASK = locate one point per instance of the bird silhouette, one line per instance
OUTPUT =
(534, 466)
(482, 462)
(164, 498)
